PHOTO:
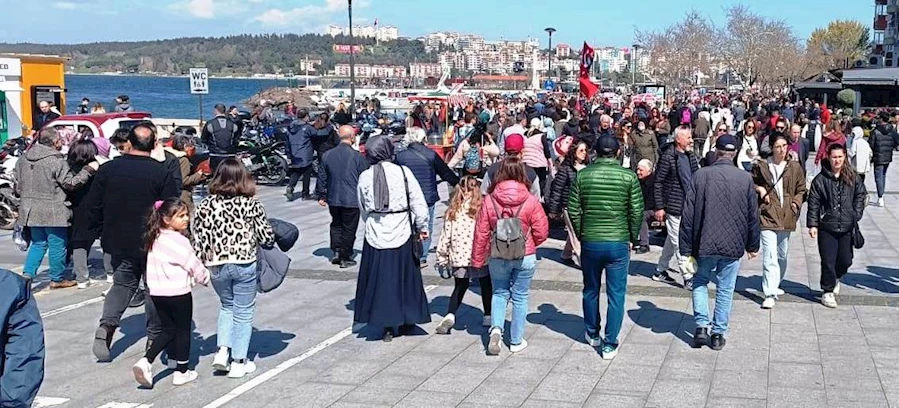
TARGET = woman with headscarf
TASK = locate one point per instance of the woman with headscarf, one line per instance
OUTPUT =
(389, 292)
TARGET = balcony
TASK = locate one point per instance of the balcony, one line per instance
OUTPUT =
(881, 2)
(880, 22)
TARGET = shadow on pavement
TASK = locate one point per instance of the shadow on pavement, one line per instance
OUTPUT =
(327, 253)
(661, 321)
(134, 328)
(885, 280)
(552, 318)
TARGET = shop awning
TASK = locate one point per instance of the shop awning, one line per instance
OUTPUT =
(875, 76)
(10, 86)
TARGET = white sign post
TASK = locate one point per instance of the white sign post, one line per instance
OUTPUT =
(199, 85)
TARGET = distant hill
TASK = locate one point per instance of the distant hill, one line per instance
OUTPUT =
(241, 54)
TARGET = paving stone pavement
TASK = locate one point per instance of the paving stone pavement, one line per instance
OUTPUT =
(799, 354)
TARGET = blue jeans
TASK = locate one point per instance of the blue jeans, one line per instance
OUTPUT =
(614, 258)
(880, 178)
(44, 239)
(426, 244)
(727, 269)
(511, 279)
(236, 286)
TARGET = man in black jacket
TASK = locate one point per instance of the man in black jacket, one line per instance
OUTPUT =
(300, 150)
(144, 181)
(674, 178)
(46, 116)
(882, 143)
(338, 179)
(220, 135)
(720, 223)
(426, 166)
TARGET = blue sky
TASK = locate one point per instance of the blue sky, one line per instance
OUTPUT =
(599, 22)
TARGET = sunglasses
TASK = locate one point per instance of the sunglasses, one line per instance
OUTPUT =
(722, 130)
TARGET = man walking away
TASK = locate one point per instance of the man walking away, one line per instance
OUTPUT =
(720, 223)
(336, 187)
(426, 166)
(21, 342)
(606, 210)
(647, 184)
(144, 181)
(674, 180)
(300, 151)
(220, 135)
(882, 143)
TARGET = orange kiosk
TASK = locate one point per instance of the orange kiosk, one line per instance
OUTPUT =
(25, 81)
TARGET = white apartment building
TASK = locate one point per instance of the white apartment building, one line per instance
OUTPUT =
(425, 70)
(371, 71)
(385, 33)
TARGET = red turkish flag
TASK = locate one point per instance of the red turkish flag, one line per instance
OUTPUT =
(588, 88)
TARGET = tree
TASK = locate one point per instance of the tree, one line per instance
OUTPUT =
(840, 42)
(752, 45)
(678, 52)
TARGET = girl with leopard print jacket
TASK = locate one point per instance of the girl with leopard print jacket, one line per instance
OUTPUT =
(228, 230)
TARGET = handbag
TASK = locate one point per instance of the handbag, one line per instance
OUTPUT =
(858, 240)
(417, 246)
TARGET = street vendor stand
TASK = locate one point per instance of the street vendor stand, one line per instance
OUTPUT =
(445, 149)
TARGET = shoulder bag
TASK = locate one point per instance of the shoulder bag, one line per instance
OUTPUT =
(417, 247)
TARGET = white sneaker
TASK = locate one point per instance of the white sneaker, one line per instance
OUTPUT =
(143, 372)
(836, 289)
(84, 285)
(779, 292)
(488, 321)
(593, 342)
(183, 378)
(880, 202)
(768, 303)
(515, 348)
(105, 292)
(828, 300)
(220, 362)
(240, 370)
(495, 343)
(446, 324)
(108, 278)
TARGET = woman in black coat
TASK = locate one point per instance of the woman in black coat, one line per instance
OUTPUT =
(82, 234)
(557, 199)
(836, 203)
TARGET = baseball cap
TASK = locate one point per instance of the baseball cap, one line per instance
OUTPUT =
(514, 143)
(726, 143)
(606, 146)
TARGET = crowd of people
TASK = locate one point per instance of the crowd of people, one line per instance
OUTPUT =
(725, 178)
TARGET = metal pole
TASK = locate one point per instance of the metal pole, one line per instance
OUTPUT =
(201, 109)
(307, 70)
(549, 66)
(352, 62)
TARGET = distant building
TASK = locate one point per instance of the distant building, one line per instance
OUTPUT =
(425, 70)
(372, 71)
(885, 52)
(310, 65)
(382, 33)
(563, 51)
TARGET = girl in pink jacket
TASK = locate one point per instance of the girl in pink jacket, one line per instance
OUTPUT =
(509, 196)
(172, 270)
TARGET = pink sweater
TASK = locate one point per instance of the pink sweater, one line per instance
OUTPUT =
(172, 266)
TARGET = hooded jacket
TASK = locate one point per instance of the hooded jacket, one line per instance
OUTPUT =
(509, 196)
(882, 144)
(300, 144)
(646, 146)
(828, 139)
(42, 180)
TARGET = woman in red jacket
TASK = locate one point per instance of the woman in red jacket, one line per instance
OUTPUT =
(832, 135)
(509, 196)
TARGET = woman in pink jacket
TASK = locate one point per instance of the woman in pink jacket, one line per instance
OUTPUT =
(509, 196)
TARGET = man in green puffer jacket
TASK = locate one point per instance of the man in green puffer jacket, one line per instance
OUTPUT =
(606, 210)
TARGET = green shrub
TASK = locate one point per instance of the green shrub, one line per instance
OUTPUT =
(846, 97)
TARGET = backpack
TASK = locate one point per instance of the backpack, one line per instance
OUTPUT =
(474, 160)
(686, 117)
(508, 236)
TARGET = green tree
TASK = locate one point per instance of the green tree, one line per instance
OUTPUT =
(841, 41)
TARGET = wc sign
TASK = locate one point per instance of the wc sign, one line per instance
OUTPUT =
(199, 81)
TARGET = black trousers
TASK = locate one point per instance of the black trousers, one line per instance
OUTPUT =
(462, 287)
(295, 174)
(214, 161)
(344, 222)
(542, 173)
(125, 280)
(175, 315)
(836, 257)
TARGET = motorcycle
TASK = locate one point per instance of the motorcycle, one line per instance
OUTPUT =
(9, 199)
(263, 151)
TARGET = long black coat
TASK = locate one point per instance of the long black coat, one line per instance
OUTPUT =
(560, 188)
(882, 144)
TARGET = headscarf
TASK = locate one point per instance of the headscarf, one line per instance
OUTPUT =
(379, 149)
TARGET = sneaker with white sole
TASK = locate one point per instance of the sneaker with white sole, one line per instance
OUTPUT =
(593, 342)
(768, 303)
(239, 370)
(663, 277)
(880, 202)
(446, 324)
(609, 351)
(108, 278)
(143, 372)
(180, 378)
(515, 348)
(779, 292)
(495, 343)
(84, 285)
(829, 300)
(220, 361)
(488, 321)
(688, 281)
(836, 288)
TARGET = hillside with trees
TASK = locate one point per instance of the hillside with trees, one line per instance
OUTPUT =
(232, 55)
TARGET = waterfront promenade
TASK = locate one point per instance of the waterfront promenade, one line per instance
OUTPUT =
(799, 354)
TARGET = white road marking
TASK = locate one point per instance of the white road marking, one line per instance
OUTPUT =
(44, 402)
(284, 366)
(125, 405)
(68, 308)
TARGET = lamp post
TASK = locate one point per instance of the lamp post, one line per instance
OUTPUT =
(634, 67)
(549, 68)
(352, 62)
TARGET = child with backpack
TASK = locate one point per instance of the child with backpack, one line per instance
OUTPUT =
(511, 225)
(475, 154)
(454, 251)
(172, 270)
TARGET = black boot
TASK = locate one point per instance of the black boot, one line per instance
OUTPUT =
(388, 335)
(718, 342)
(102, 341)
(701, 337)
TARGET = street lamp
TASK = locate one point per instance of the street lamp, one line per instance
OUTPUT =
(549, 68)
(352, 62)
(634, 67)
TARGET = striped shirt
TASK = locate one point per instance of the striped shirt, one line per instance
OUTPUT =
(172, 266)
